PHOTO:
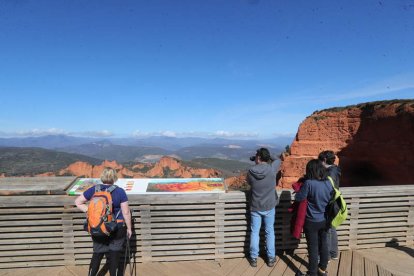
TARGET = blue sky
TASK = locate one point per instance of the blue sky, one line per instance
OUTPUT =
(234, 68)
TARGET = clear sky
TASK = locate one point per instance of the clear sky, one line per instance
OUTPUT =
(243, 68)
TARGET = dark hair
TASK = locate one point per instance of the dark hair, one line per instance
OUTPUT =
(264, 154)
(327, 156)
(315, 170)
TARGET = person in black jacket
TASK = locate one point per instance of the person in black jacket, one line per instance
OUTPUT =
(328, 160)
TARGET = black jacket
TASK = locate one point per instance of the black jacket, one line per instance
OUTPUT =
(335, 173)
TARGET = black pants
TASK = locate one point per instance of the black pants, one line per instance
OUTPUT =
(316, 236)
(112, 248)
(112, 258)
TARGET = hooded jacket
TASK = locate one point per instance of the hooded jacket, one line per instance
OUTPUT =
(262, 180)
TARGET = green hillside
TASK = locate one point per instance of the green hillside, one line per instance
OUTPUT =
(369, 105)
(227, 167)
(32, 161)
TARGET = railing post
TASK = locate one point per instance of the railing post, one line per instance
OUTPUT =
(219, 233)
(410, 223)
(145, 231)
(68, 235)
(353, 222)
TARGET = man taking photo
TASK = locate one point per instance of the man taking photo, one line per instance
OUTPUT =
(263, 199)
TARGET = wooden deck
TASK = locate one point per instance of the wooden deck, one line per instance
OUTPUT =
(350, 263)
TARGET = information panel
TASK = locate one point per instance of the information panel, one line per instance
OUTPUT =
(155, 185)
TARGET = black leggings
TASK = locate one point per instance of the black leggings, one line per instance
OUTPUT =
(316, 240)
(112, 258)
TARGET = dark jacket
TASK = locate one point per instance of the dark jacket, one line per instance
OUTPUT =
(335, 173)
(318, 193)
(262, 180)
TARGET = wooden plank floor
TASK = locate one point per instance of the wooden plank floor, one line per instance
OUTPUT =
(350, 263)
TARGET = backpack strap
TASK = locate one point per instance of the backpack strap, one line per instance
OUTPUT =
(97, 188)
(117, 214)
(334, 190)
(332, 182)
(112, 188)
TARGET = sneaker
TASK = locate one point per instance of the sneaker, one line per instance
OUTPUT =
(252, 262)
(271, 262)
(334, 257)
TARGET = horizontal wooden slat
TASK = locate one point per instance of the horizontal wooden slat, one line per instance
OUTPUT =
(29, 235)
(22, 246)
(32, 252)
(25, 229)
(31, 258)
(384, 210)
(180, 241)
(34, 263)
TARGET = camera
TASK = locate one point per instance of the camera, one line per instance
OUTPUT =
(252, 158)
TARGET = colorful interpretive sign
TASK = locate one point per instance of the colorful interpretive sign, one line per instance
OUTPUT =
(155, 185)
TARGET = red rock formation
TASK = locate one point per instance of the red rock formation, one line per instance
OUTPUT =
(237, 182)
(171, 167)
(164, 163)
(97, 170)
(125, 173)
(166, 167)
(374, 143)
(79, 168)
(46, 174)
(140, 166)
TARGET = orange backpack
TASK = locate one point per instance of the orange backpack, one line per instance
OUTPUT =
(100, 220)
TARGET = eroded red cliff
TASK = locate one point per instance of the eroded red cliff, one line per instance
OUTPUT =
(374, 143)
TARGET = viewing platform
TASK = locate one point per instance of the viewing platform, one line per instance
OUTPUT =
(41, 232)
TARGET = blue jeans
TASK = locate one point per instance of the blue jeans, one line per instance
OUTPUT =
(255, 223)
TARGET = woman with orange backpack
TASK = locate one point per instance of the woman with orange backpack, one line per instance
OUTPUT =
(108, 221)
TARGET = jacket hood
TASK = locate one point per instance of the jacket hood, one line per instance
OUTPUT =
(259, 171)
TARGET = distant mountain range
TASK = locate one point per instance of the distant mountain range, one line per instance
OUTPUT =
(150, 148)
(108, 151)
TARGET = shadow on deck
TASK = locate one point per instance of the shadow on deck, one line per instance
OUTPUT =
(350, 263)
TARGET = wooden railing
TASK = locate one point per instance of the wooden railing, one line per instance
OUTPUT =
(46, 230)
